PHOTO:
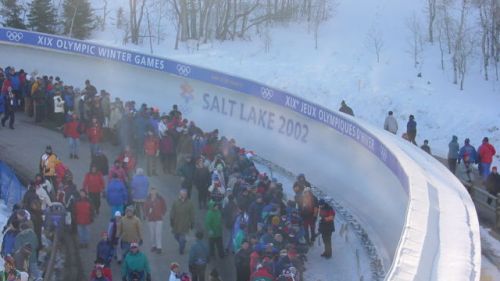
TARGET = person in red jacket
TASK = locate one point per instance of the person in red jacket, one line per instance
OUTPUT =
(94, 185)
(128, 160)
(101, 270)
(72, 133)
(83, 217)
(94, 132)
(262, 274)
(486, 152)
(151, 150)
(154, 211)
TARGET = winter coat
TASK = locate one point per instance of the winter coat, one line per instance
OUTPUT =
(411, 126)
(493, 183)
(71, 129)
(167, 145)
(155, 209)
(9, 103)
(94, 133)
(468, 151)
(185, 145)
(129, 229)
(24, 237)
(48, 164)
(105, 251)
(93, 182)
(426, 148)
(44, 197)
(116, 194)
(2, 104)
(242, 261)
(262, 274)
(151, 145)
(391, 124)
(198, 254)
(135, 262)
(83, 212)
(202, 178)
(119, 171)
(139, 188)
(486, 152)
(9, 239)
(106, 273)
(453, 149)
(100, 161)
(213, 221)
(326, 223)
(181, 216)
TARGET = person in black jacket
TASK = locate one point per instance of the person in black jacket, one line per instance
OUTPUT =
(242, 262)
(10, 108)
(326, 227)
(493, 183)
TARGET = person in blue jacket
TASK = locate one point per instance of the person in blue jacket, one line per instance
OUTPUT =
(140, 189)
(116, 194)
(469, 151)
(411, 129)
(105, 249)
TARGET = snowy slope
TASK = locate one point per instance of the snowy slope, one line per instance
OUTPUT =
(344, 67)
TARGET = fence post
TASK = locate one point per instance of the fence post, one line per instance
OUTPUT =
(497, 223)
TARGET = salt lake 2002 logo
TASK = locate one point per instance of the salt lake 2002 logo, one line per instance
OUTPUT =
(187, 94)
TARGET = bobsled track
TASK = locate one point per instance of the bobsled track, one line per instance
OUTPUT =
(421, 223)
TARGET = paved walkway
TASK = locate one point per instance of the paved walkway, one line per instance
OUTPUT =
(22, 148)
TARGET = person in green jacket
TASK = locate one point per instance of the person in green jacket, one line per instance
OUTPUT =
(135, 265)
(213, 224)
(182, 219)
(28, 236)
(10, 273)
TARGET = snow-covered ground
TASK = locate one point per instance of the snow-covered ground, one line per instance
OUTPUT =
(490, 270)
(344, 67)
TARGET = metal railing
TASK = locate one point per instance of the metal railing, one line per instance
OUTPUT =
(486, 201)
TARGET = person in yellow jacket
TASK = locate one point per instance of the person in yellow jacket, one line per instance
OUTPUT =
(48, 162)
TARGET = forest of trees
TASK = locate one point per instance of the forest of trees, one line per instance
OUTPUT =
(464, 31)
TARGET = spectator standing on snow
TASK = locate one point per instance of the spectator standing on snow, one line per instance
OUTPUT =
(84, 217)
(390, 123)
(486, 152)
(453, 149)
(94, 185)
(182, 219)
(154, 211)
(411, 129)
(346, 109)
(72, 130)
(425, 147)
(493, 183)
(198, 258)
(242, 262)
(9, 108)
(326, 227)
(139, 191)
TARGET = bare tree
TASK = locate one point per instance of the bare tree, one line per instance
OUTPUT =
(441, 44)
(431, 12)
(463, 46)
(375, 42)
(136, 15)
(415, 40)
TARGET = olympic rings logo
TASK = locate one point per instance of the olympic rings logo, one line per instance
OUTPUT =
(183, 70)
(383, 153)
(266, 93)
(14, 35)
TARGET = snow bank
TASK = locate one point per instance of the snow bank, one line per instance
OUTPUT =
(422, 222)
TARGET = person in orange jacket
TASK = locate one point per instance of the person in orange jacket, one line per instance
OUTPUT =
(94, 133)
(94, 185)
(151, 150)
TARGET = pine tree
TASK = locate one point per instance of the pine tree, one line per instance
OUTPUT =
(78, 18)
(42, 16)
(11, 12)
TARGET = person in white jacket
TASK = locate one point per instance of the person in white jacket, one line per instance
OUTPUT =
(391, 124)
(59, 108)
(175, 271)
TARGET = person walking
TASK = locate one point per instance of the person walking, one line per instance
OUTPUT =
(390, 123)
(486, 152)
(139, 191)
(135, 265)
(72, 130)
(493, 183)
(84, 217)
(9, 108)
(213, 225)
(28, 236)
(242, 261)
(467, 153)
(129, 230)
(151, 150)
(105, 249)
(58, 108)
(453, 149)
(154, 211)
(94, 133)
(308, 210)
(198, 258)
(201, 180)
(326, 227)
(94, 185)
(411, 129)
(116, 194)
(182, 219)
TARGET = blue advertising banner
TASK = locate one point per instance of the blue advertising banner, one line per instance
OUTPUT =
(315, 112)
